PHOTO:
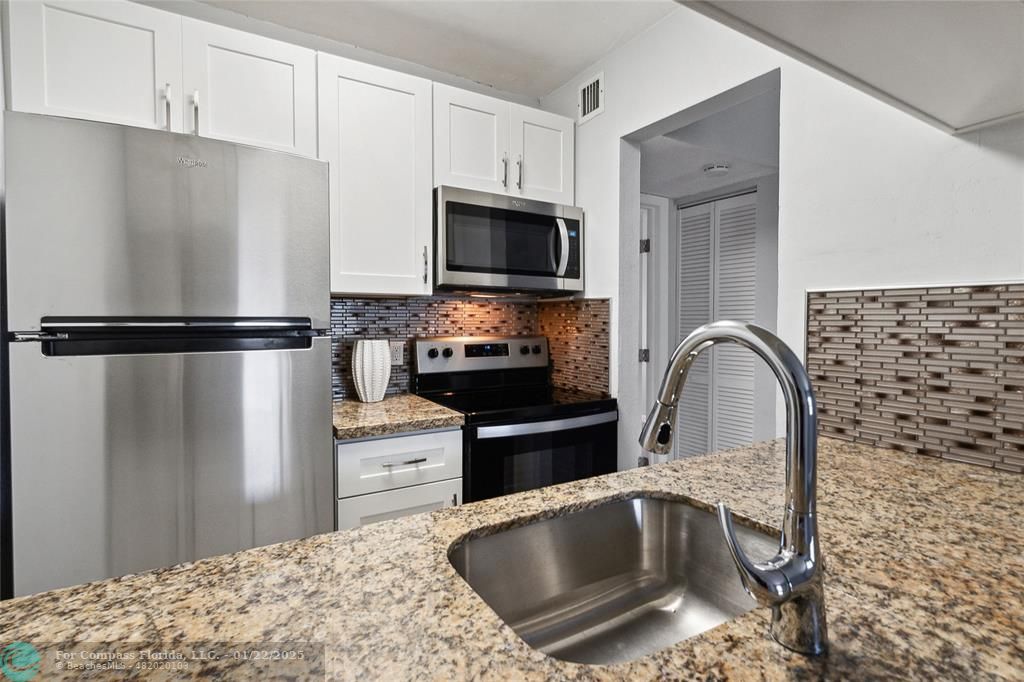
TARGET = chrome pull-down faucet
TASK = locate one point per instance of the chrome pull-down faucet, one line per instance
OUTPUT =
(791, 582)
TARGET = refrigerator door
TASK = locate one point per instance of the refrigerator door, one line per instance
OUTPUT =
(105, 220)
(132, 462)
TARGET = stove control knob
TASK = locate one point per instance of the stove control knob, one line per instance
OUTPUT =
(447, 352)
(432, 353)
(536, 350)
(524, 350)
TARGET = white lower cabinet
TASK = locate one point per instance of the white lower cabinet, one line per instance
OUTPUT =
(387, 478)
(366, 509)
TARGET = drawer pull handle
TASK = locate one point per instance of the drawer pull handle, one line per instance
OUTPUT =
(418, 460)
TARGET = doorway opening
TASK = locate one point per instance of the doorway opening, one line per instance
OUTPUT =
(704, 187)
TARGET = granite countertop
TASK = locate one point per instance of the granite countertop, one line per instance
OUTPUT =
(924, 581)
(394, 414)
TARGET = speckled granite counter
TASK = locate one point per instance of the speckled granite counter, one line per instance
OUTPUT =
(394, 414)
(925, 577)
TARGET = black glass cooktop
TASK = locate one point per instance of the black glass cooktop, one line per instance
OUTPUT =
(522, 403)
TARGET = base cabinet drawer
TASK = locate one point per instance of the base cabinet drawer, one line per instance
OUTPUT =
(363, 510)
(388, 463)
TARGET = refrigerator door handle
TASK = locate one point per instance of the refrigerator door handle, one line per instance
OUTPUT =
(36, 337)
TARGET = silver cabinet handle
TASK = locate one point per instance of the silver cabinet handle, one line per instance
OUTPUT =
(504, 179)
(167, 106)
(418, 460)
(519, 169)
(563, 257)
(551, 426)
(455, 500)
(195, 112)
(424, 265)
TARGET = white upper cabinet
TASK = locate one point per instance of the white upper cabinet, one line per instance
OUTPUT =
(487, 144)
(542, 154)
(108, 61)
(375, 132)
(250, 89)
(471, 140)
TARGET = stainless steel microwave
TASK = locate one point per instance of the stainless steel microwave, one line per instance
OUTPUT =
(498, 243)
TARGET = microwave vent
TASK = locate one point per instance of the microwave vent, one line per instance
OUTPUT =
(591, 98)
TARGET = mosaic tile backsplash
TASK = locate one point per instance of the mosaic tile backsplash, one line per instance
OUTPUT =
(578, 335)
(406, 318)
(935, 371)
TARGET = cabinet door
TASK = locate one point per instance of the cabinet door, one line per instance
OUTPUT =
(471, 140)
(366, 509)
(375, 133)
(118, 62)
(541, 155)
(249, 89)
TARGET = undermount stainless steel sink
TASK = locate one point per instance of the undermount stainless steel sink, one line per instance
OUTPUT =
(614, 582)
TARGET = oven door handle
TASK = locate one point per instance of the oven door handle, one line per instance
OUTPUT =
(551, 426)
(563, 256)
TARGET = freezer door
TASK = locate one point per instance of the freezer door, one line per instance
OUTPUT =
(127, 463)
(105, 220)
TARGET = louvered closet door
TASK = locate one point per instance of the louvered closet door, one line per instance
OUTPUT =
(695, 307)
(734, 292)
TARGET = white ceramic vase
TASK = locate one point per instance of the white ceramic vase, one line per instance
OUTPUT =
(371, 369)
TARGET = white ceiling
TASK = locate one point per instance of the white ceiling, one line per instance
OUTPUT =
(674, 169)
(958, 64)
(527, 47)
(745, 136)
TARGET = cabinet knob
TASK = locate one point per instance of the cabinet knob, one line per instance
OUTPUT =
(195, 112)
(167, 105)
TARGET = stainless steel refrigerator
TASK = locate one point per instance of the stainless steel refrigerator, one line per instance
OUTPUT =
(166, 350)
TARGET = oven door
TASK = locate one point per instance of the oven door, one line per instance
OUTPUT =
(510, 458)
(490, 241)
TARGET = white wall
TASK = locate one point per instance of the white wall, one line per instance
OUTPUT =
(868, 195)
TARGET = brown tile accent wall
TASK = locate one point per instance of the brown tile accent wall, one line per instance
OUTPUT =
(935, 371)
(578, 333)
(405, 318)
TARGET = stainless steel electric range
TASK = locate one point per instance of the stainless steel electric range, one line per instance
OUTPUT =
(521, 432)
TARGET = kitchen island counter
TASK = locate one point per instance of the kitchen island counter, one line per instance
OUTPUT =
(924, 581)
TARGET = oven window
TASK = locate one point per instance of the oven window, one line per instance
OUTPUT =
(499, 466)
(495, 240)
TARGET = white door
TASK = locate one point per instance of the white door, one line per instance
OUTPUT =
(375, 132)
(696, 239)
(717, 281)
(366, 509)
(471, 139)
(735, 289)
(541, 152)
(249, 89)
(118, 62)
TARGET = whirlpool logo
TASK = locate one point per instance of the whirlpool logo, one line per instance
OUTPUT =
(191, 163)
(19, 661)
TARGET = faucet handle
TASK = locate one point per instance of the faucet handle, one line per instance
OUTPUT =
(764, 581)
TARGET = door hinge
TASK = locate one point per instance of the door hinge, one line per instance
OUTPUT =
(645, 355)
(645, 246)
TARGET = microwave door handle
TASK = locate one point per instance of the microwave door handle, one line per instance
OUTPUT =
(563, 256)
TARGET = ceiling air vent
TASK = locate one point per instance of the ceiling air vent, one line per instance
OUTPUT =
(591, 98)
